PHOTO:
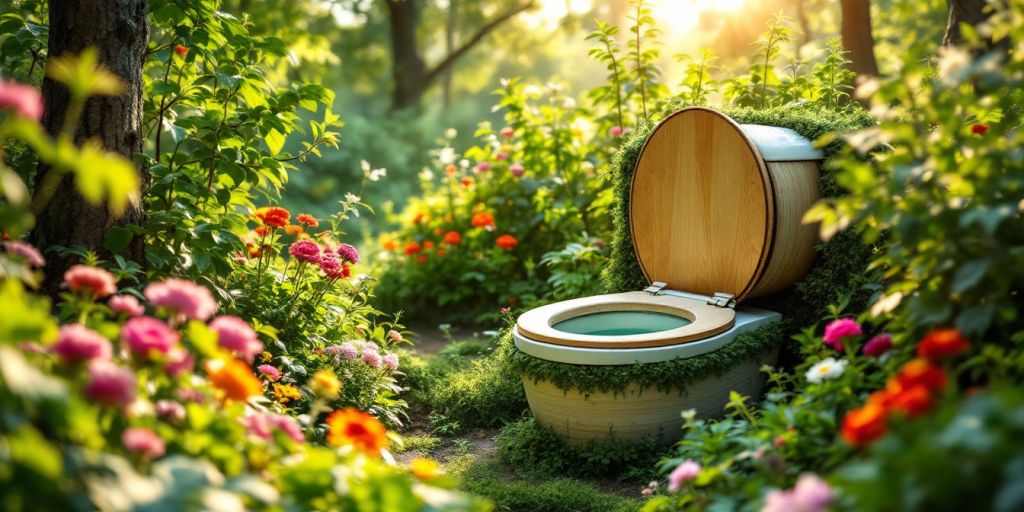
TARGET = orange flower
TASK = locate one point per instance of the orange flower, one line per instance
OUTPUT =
(273, 216)
(940, 343)
(419, 217)
(352, 427)
(262, 231)
(294, 229)
(467, 181)
(483, 220)
(440, 252)
(452, 238)
(285, 393)
(389, 244)
(863, 426)
(921, 372)
(913, 401)
(450, 169)
(412, 248)
(181, 50)
(428, 245)
(425, 469)
(506, 242)
(438, 231)
(422, 258)
(308, 220)
(234, 378)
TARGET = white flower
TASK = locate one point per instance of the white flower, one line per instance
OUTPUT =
(464, 163)
(446, 156)
(426, 174)
(954, 64)
(351, 198)
(377, 174)
(826, 369)
(450, 133)
(365, 166)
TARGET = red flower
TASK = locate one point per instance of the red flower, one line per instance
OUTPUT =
(507, 242)
(428, 245)
(452, 238)
(419, 217)
(921, 372)
(863, 426)
(412, 248)
(262, 231)
(940, 343)
(482, 220)
(979, 129)
(273, 216)
(308, 220)
(440, 252)
(181, 50)
(912, 401)
(421, 258)
(467, 181)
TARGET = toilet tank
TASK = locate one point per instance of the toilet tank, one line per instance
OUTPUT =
(716, 206)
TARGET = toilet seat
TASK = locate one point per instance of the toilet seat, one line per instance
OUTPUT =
(706, 320)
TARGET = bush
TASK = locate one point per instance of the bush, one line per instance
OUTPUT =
(484, 394)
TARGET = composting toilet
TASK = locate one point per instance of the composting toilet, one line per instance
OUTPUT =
(715, 212)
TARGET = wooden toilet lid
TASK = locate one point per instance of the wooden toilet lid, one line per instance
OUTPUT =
(701, 206)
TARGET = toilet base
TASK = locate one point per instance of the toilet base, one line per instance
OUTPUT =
(636, 413)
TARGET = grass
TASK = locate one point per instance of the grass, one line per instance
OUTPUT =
(418, 443)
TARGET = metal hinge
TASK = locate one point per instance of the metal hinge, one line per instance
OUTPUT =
(656, 288)
(722, 300)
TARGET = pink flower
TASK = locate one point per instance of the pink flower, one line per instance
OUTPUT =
(26, 252)
(391, 361)
(191, 395)
(616, 131)
(234, 334)
(143, 335)
(348, 253)
(305, 250)
(517, 170)
(24, 100)
(346, 350)
(263, 426)
(110, 384)
(331, 266)
(77, 342)
(778, 501)
(508, 132)
(143, 442)
(271, 373)
(394, 336)
(178, 361)
(688, 470)
(127, 305)
(182, 296)
(878, 345)
(812, 494)
(372, 358)
(92, 281)
(501, 155)
(170, 410)
(483, 167)
(836, 330)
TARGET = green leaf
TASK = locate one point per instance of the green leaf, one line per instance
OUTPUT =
(969, 274)
(116, 239)
(275, 141)
(102, 176)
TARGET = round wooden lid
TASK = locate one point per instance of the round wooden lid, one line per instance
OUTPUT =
(701, 207)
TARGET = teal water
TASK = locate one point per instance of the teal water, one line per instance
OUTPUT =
(621, 323)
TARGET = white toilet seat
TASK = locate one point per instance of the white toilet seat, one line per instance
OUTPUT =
(706, 320)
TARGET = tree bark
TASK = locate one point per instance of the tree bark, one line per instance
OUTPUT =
(969, 12)
(119, 30)
(857, 38)
(449, 47)
(409, 72)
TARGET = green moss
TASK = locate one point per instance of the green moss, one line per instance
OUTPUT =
(665, 376)
(483, 394)
(532, 448)
(489, 479)
(840, 267)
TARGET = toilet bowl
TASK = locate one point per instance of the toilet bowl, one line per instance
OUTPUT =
(715, 212)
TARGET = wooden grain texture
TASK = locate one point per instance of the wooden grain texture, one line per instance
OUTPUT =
(706, 320)
(578, 418)
(701, 209)
(796, 190)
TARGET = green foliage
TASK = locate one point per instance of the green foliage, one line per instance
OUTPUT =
(833, 77)
(642, 52)
(673, 375)
(967, 452)
(540, 495)
(698, 82)
(573, 270)
(760, 84)
(533, 449)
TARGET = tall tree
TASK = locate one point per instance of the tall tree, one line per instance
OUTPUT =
(857, 38)
(409, 71)
(119, 30)
(969, 12)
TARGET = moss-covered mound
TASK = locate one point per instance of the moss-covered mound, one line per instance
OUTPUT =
(840, 267)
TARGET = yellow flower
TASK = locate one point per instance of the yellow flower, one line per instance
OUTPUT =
(285, 393)
(266, 356)
(325, 384)
(425, 469)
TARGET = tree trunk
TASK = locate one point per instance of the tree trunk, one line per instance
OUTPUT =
(449, 47)
(857, 38)
(119, 30)
(970, 12)
(407, 67)
(805, 27)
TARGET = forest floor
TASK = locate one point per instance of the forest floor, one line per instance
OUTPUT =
(472, 457)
